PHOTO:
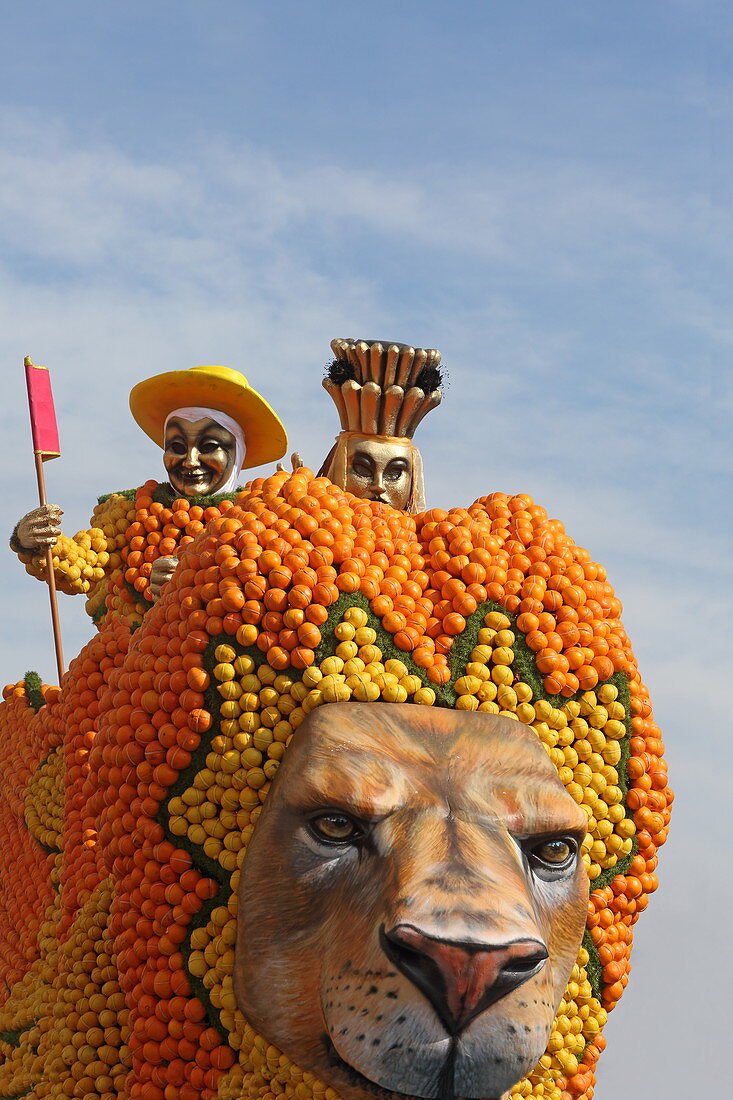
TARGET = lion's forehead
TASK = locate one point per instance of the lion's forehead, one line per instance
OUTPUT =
(519, 793)
(413, 737)
(377, 763)
(368, 787)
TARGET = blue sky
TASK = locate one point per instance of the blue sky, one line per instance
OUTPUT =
(541, 191)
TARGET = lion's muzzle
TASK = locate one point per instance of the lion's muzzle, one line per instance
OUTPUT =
(461, 980)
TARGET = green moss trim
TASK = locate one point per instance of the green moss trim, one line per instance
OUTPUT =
(32, 682)
(620, 679)
(49, 849)
(100, 612)
(137, 596)
(12, 1038)
(606, 877)
(129, 494)
(204, 864)
(593, 969)
(15, 544)
(385, 641)
(165, 494)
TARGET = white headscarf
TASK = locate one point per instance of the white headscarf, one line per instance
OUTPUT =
(193, 413)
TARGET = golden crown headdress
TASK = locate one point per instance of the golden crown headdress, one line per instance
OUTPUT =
(382, 388)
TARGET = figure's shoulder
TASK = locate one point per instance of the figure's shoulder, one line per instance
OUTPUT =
(124, 504)
(127, 494)
(115, 507)
(134, 498)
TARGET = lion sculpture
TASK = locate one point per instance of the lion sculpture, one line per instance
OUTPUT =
(415, 901)
(318, 828)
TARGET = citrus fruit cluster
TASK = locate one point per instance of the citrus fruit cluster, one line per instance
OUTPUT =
(83, 563)
(296, 596)
(111, 562)
(28, 830)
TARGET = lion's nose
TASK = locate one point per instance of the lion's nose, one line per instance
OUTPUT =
(461, 980)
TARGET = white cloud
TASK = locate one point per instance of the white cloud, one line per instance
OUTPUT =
(114, 268)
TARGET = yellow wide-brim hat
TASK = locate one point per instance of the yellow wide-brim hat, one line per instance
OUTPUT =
(222, 388)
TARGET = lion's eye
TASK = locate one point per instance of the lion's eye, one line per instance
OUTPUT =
(335, 828)
(556, 853)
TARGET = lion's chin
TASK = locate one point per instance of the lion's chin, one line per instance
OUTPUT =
(451, 1075)
(355, 1081)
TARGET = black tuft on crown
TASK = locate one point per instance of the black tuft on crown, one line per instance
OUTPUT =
(429, 379)
(339, 371)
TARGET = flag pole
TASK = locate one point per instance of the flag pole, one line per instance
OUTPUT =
(50, 575)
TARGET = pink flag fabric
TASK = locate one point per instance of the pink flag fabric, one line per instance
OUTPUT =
(43, 415)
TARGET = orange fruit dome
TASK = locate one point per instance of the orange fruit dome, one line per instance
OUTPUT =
(129, 796)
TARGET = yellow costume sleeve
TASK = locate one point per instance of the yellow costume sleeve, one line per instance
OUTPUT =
(81, 563)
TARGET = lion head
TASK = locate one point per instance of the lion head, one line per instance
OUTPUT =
(412, 901)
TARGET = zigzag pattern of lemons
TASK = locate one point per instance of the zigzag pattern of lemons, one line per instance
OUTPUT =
(214, 805)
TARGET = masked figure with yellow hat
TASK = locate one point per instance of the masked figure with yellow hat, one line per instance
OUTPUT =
(382, 391)
(210, 424)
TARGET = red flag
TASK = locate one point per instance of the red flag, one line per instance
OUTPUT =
(43, 415)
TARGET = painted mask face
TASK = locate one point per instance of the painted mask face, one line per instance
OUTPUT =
(198, 456)
(380, 471)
